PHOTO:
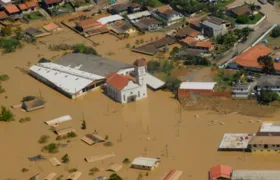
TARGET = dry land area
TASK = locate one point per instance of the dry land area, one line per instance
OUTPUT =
(142, 128)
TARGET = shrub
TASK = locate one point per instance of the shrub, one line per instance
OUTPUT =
(4, 77)
(43, 60)
(115, 176)
(72, 170)
(71, 134)
(140, 176)
(2, 90)
(242, 19)
(6, 31)
(51, 148)
(28, 98)
(6, 115)
(9, 45)
(275, 32)
(172, 84)
(108, 143)
(43, 139)
(58, 138)
(59, 177)
(84, 125)
(24, 170)
(106, 137)
(126, 161)
(65, 159)
(25, 119)
(92, 171)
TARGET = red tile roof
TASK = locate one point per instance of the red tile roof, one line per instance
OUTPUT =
(250, 57)
(52, 1)
(140, 62)
(31, 4)
(117, 81)
(22, 6)
(195, 43)
(89, 23)
(220, 171)
(3, 15)
(51, 27)
(11, 8)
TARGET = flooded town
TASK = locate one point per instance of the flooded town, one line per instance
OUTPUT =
(139, 90)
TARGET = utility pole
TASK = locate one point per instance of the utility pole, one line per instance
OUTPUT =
(121, 137)
(166, 150)
(148, 129)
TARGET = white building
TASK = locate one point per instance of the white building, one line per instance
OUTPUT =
(124, 89)
(145, 163)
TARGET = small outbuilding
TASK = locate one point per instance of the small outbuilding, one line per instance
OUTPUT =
(91, 139)
(187, 89)
(54, 161)
(115, 167)
(220, 172)
(33, 105)
(74, 176)
(51, 176)
(145, 163)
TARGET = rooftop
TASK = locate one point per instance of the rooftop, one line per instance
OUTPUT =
(195, 43)
(187, 31)
(31, 4)
(108, 19)
(255, 175)
(268, 140)
(249, 58)
(143, 161)
(68, 79)
(3, 15)
(198, 85)
(241, 10)
(220, 171)
(268, 126)
(117, 81)
(235, 141)
(11, 8)
(138, 15)
(216, 20)
(89, 23)
(268, 80)
(22, 6)
(52, 1)
(92, 64)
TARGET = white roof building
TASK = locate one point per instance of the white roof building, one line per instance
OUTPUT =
(235, 142)
(154, 82)
(270, 126)
(255, 175)
(198, 85)
(69, 80)
(138, 15)
(145, 163)
(109, 19)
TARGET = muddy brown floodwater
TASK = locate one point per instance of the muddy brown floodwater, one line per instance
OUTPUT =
(145, 127)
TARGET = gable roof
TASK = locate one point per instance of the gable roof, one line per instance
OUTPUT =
(117, 81)
(3, 15)
(241, 10)
(220, 171)
(11, 8)
(249, 58)
(216, 20)
(51, 26)
(22, 6)
(31, 4)
(195, 43)
(187, 31)
(52, 1)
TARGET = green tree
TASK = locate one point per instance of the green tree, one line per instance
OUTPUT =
(275, 32)
(6, 31)
(65, 159)
(51, 148)
(19, 33)
(153, 66)
(267, 63)
(242, 19)
(172, 84)
(6, 115)
(174, 51)
(115, 177)
(9, 45)
(267, 96)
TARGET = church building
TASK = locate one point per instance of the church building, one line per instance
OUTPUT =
(126, 89)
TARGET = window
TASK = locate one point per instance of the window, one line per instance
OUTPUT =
(265, 146)
(138, 93)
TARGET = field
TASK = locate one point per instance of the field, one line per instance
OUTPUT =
(143, 128)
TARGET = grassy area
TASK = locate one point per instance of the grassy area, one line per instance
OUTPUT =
(224, 3)
(33, 16)
(257, 17)
(157, 3)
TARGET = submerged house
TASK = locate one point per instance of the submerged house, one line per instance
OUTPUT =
(169, 15)
(145, 163)
(33, 105)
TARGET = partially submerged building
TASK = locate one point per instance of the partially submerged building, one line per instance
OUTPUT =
(241, 90)
(145, 163)
(147, 24)
(192, 43)
(222, 172)
(235, 142)
(190, 89)
(33, 105)
(187, 32)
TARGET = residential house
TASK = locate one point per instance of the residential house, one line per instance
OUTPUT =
(169, 15)
(145, 163)
(110, 19)
(135, 17)
(123, 89)
(88, 25)
(52, 27)
(192, 52)
(122, 28)
(148, 24)
(12, 10)
(31, 5)
(35, 32)
(52, 3)
(187, 32)
(192, 43)
(220, 172)
(125, 8)
(248, 60)
(241, 90)
(265, 144)
(33, 105)
(23, 8)
(214, 26)
(269, 82)
(3, 15)
(238, 11)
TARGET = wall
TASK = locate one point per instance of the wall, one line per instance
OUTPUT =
(184, 93)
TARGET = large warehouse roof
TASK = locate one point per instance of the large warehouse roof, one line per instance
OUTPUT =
(198, 85)
(255, 175)
(68, 79)
(92, 64)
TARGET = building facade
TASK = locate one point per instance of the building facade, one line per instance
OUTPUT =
(241, 91)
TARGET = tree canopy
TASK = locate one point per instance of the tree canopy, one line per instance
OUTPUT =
(173, 84)
(242, 19)
(6, 114)
(267, 63)
(267, 96)
(275, 32)
(115, 177)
